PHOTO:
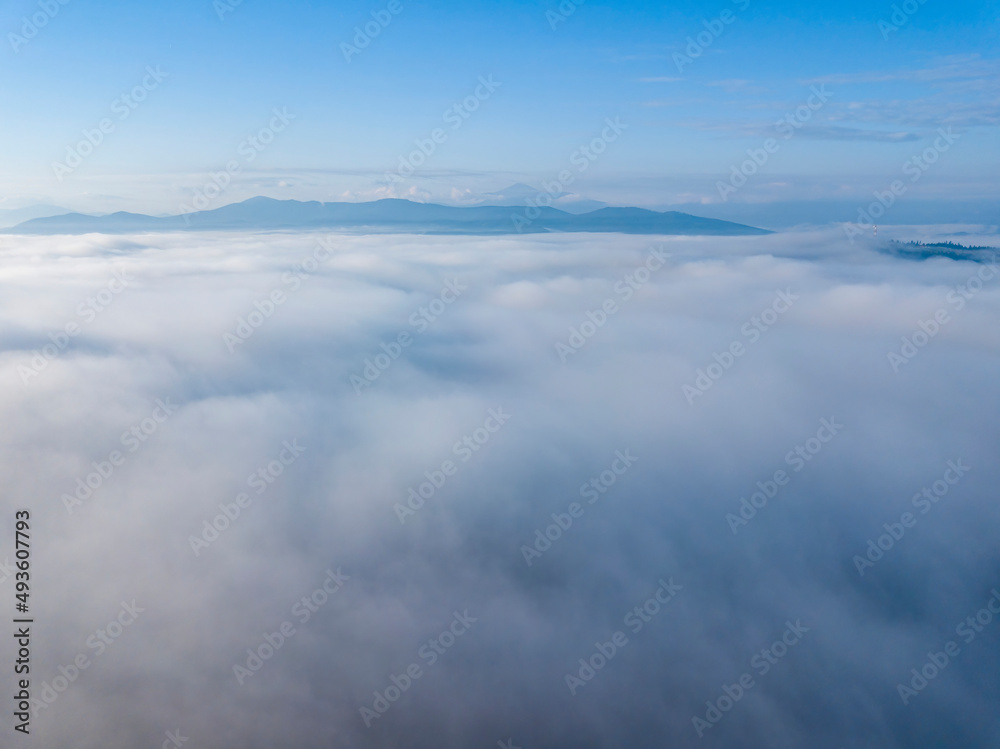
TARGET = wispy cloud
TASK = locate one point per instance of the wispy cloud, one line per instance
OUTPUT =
(960, 91)
(831, 132)
(952, 68)
(810, 132)
(731, 84)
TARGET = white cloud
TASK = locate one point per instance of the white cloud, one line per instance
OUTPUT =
(494, 347)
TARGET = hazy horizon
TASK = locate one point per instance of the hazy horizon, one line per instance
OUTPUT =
(693, 88)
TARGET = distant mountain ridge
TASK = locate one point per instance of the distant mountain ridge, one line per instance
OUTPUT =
(520, 194)
(391, 215)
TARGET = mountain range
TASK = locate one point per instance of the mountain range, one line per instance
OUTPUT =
(389, 216)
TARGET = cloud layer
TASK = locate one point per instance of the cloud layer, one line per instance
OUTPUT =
(293, 389)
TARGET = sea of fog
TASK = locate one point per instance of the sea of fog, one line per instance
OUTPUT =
(553, 491)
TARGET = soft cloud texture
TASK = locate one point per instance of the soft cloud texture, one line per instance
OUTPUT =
(162, 337)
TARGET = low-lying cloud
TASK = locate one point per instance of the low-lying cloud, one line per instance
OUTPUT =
(241, 500)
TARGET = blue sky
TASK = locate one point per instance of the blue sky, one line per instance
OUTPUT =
(353, 120)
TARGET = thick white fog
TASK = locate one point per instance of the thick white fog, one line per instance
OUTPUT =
(387, 491)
